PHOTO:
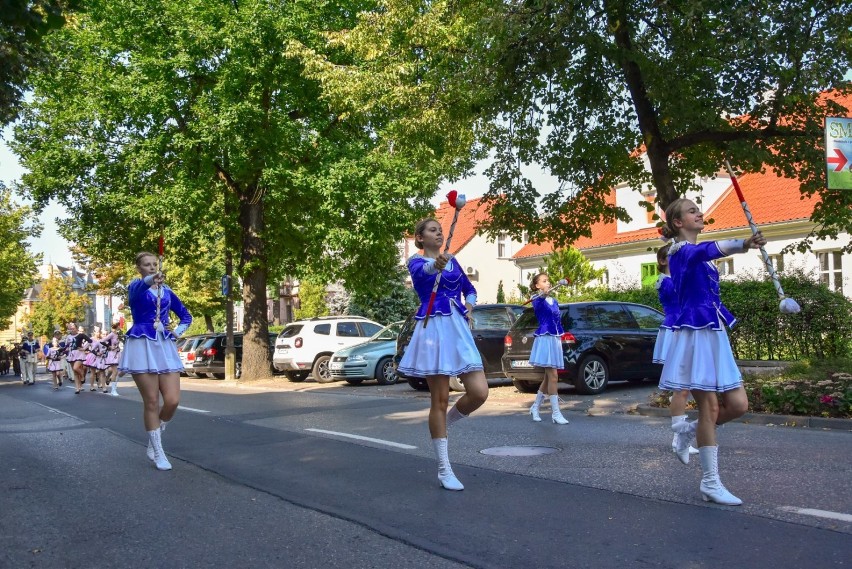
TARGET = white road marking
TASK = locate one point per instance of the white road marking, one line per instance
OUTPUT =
(818, 513)
(360, 438)
(194, 410)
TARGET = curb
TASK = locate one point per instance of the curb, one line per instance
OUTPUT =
(762, 419)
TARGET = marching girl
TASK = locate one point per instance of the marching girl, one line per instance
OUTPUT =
(668, 299)
(547, 348)
(150, 354)
(67, 343)
(444, 347)
(54, 363)
(93, 349)
(112, 354)
(78, 356)
(700, 357)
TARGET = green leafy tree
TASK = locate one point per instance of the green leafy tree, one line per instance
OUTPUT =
(191, 119)
(389, 301)
(312, 299)
(23, 25)
(501, 296)
(570, 264)
(18, 267)
(58, 304)
(579, 87)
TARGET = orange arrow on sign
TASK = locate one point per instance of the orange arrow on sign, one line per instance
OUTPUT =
(840, 160)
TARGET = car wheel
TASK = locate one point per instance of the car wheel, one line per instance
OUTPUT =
(354, 381)
(418, 383)
(320, 371)
(593, 375)
(385, 372)
(526, 386)
(456, 384)
(218, 375)
(296, 376)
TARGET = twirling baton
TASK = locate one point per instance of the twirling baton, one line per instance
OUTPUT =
(160, 248)
(457, 201)
(560, 283)
(788, 305)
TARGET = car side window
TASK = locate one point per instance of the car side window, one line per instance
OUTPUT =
(584, 317)
(647, 318)
(369, 329)
(347, 330)
(491, 319)
(614, 317)
(323, 329)
(238, 341)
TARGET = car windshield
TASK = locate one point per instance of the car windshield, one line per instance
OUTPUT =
(389, 332)
(290, 331)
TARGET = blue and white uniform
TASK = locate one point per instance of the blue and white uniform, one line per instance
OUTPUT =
(700, 355)
(149, 346)
(671, 308)
(547, 345)
(445, 346)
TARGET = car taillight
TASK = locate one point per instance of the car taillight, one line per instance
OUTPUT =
(209, 352)
(190, 357)
(568, 338)
(298, 342)
(507, 341)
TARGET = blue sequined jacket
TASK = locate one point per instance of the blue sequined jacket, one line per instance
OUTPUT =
(668, 298)
(143, 308)
(454, 289)
(549, 316)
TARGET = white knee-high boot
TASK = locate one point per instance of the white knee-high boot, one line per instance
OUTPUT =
(150, 451)
(539, 399)
(159, 455)
(555, 412)
(684, 433)
(711, 487)
(446, 477)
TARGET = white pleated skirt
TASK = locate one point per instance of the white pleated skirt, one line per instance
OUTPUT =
(701, 360)
(547, 352)
(662, 345)
(144, 355)
(444, 347)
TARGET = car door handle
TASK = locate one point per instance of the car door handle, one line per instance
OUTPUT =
(480, 337)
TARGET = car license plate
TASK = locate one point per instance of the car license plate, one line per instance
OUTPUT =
(335, 365)
(521, 363)
(283, 351)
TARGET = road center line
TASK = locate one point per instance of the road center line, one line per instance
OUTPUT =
(818, 513)
(360, 438)
(194, 410)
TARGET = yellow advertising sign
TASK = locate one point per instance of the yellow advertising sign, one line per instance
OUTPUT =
(838, 153)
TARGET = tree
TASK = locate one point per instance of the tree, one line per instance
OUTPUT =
(23, 25)
(191, 120)
(312, 299)
(18, 267)
(501, 296)
(570, 264)
(590, 89)
(58, 304)
(390, 300)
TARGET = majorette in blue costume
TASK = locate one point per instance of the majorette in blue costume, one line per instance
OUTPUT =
(668, 298)
(149, 345)
(445, 346)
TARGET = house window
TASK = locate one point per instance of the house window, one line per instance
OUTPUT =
(649, 274)
(831, 269)
(777, 262)
(725, 266)
(502, 250)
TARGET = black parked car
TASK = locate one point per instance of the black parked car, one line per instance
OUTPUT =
(603, 341)
(490, 324)
(210, 355)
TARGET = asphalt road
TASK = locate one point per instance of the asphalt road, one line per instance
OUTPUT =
(271, 477)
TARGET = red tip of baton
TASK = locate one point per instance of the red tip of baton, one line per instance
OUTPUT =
(451, 197)
(160, 245)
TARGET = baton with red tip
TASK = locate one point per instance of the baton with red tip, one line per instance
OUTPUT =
(457, 201)
(560, 283)
(788, 305)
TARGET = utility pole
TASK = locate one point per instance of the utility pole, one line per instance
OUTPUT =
(230, 356)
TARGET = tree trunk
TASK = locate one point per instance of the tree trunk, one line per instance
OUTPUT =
(253, 269)
(208, 322)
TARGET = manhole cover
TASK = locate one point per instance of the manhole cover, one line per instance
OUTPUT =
(519, 451)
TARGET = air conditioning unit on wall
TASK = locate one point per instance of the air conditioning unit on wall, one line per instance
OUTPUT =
(470, 271)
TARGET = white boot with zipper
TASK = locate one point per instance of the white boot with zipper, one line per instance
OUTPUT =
(712, 489)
